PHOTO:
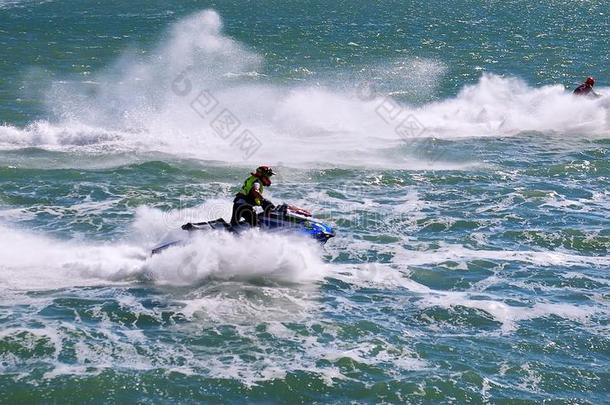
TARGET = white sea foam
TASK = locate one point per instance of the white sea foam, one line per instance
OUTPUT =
(460, 253)
(142, 103)
(29, 260)
(509, 315)
(251, 255)
(6, 4)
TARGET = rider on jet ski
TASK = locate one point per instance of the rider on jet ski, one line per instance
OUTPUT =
(284, 218)
(586, 89)
(251, 195)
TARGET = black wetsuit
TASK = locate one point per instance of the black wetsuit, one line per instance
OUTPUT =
(584, 90)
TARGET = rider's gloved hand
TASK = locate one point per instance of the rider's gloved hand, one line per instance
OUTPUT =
(268, 207)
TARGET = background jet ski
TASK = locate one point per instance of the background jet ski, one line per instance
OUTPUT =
(284, 218)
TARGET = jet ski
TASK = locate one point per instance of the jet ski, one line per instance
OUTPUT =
(282, 219)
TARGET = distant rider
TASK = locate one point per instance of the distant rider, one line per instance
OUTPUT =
(586, 89)
(251, 195)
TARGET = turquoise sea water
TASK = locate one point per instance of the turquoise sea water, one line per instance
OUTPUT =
(468, 189)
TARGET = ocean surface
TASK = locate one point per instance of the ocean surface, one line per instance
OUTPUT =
(468, 188)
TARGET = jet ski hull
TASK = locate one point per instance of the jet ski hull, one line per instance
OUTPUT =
(284, 219)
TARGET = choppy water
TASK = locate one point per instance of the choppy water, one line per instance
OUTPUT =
(471, 258)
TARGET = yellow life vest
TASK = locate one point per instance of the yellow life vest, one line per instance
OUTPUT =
(247, 187)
